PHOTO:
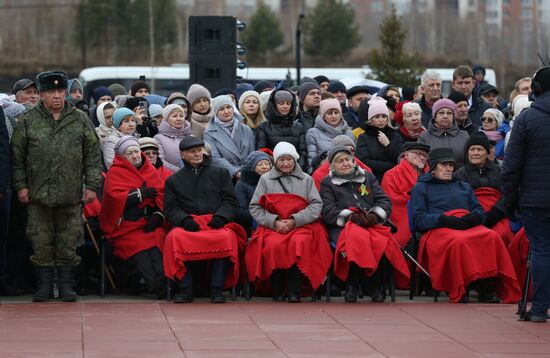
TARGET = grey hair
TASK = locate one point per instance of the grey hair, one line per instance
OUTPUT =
(429, 75)
(410, 106)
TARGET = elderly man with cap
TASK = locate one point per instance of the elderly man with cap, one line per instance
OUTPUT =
(26, 92)
(354, 207)
(398, 182)
(290, 236)
(443, 131)
(310, 99)
(526, 186)
(462, 116)
(230, 140)
(55, 154)
(355, 96)
(323, 170)
(131, 212)
(484, 177)
(150, 148)
(457, 250)
(200, 204)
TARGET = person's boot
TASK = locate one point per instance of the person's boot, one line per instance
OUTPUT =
(216, 294)
(294, 284)
(65, 278)
(276, 282)
(487, 292)
(44, 283)
(352, 283)
(183, 294)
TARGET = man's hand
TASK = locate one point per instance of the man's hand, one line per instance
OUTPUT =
(23, 196)
(89, 196)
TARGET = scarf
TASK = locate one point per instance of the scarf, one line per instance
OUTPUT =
(494, 135)
(229, 127)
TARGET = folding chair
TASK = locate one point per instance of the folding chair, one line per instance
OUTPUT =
(100, 249)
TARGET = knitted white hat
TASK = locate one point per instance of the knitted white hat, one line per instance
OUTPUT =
(285, 148)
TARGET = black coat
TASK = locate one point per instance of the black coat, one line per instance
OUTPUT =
(280, 128)
(426, 111)
(476, 109)
(469, 127)
(244, 191)
(4, 154)
(206, 190)
(338, 196)
(527, 157)
(306, 119)
(488, 176)
(379, 158)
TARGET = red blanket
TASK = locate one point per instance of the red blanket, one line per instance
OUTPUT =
(519, 249)
(205, 244)
(321, 172)
(127, 237)
(455, 258)
(488, 197)
(306, 246)
(164, 173)
(397, 184)
(365, 248)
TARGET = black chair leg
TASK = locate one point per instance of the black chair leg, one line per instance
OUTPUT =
(234, 293)
(102, 269)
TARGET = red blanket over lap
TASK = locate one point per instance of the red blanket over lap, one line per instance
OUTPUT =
(205, 244)
(487, 197)
(128, 238)
(397, 184)
(365, 248)
(455, 258)
(519, 249)
(306, 246)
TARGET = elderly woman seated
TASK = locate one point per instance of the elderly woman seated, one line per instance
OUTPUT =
(290, 237)
(456, 248)
(354, 206)
(131, 212)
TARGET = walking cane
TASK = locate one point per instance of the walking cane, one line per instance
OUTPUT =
(104, 268)
(522, 304)
(393, 230)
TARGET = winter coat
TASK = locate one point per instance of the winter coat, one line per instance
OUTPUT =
(244, 191)
(527, 157)
(280, 128)
(306, 119)
(488, 176)
(54, 159)
(469, 127)
(203, 190)
(426, 111)
(477, 109)
(229, 151)
(319, 138)
(4, 154)
(169, 139)
(339, 194)
(431, 197)
(298, 183)
(103, 133)
(377, 157)
(452, 138)
(199, 122)
(406, 135)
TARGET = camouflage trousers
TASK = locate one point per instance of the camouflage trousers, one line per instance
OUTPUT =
(54, 233)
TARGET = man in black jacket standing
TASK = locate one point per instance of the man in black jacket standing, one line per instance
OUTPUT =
(527, 187)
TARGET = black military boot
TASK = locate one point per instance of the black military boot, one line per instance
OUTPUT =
(65, 281)
(352, 283)
(216, 294)
(44, 283)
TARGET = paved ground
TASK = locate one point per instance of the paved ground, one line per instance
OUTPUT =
(127, 327)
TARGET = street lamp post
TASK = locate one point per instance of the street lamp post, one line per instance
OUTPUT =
(299, 49)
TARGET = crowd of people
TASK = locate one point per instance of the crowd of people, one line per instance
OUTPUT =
(277, 186)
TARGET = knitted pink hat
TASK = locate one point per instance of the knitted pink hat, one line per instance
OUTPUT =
(326, 104)
(169, 109)
(377, 105)
(443, 103)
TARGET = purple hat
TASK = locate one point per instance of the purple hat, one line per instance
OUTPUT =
(443, 103)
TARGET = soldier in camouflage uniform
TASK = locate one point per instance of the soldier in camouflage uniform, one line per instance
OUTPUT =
(55, 154)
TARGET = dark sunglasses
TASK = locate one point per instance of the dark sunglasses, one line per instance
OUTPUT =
(487, 119)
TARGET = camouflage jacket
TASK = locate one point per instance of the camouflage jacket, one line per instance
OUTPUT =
(54, 159)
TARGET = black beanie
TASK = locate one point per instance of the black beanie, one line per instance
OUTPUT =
(136, 86)
(478, 138)
(457, 97)
(440, 155)
(321, 78)
(542, 77)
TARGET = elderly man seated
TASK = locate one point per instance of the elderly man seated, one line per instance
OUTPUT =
(456, 248)
(131, 212)
(484, 177)
(200, 203)
(354, 206)
(398, 183)
(290, 237)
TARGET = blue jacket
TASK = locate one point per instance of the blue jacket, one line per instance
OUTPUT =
(4, 154)
(526, 167)
(229, 151)
(431, 197)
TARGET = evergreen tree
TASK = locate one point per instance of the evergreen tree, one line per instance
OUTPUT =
(392, 64)
(263, 35)
(330, 31)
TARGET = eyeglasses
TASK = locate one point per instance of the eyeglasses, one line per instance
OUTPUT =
(487, 119)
